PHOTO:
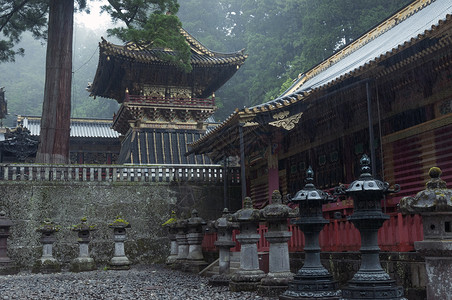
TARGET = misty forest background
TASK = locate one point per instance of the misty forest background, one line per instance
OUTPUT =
(281, 37)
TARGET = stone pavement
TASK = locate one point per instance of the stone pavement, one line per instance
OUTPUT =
(141, 282)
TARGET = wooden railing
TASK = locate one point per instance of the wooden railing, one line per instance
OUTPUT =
(113, 173)
(397, 234)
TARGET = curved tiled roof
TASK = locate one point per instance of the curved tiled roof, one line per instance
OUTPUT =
(80, 128)
(415, 22)
(400, 31)
(201, 56)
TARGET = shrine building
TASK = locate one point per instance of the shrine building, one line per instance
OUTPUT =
(387, 94)
(162, 107)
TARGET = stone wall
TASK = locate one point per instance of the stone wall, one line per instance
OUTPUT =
(145, 205)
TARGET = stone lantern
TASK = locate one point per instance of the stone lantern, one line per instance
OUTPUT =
(170, 223)
(371, 281)
(181, 227)
(312, 281)
(83, 262)
(173, 249)
(7, 266)
(276, 214)
(119, 261)
(195, 259)
(224, 242)
(47, 263)
(434, 204)
(248, 277)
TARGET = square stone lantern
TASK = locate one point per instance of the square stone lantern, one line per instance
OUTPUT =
(434, 204)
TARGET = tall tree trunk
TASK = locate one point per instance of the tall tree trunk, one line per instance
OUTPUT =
(56, 110)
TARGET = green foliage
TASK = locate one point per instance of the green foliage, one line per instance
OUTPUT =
(16, 17)
(283, 38)
(159, 32)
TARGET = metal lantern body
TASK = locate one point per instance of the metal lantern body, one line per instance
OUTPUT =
(434, 204)
(371, 281)
(249, 275)
(312, 281)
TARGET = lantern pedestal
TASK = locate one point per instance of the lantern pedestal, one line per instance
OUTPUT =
(276, 215)
(371, 281)
(47, 263)
(224, 243)
(248, 277)
(312, 281)
(119, 261)
(195, 259)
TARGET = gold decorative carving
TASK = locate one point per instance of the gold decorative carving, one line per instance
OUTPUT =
(281, 115)
(180, 93)
(287, 123)
(152, 91)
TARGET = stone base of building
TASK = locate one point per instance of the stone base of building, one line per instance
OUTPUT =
(46, 266)
(82, 264)
(119, 263)
(220, 280)
(8, 268)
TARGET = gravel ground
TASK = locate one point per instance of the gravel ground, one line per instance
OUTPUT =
(144, 282)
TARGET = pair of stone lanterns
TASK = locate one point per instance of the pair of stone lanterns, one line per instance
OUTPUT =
(186, 237)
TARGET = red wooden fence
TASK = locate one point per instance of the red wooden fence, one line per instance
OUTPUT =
(397, 234)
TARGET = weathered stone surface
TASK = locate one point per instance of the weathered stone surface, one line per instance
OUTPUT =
(145, 205)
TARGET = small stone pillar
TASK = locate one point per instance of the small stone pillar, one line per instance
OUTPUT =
(276, 214)
(170, 224)
(119, 260)
(224, 243)
(434, 204)
(172, 230)
(312, 281)
(47, 263)
(83, 262)
(7, 266)
(195, 259)
(248, 277)
(181, 227)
